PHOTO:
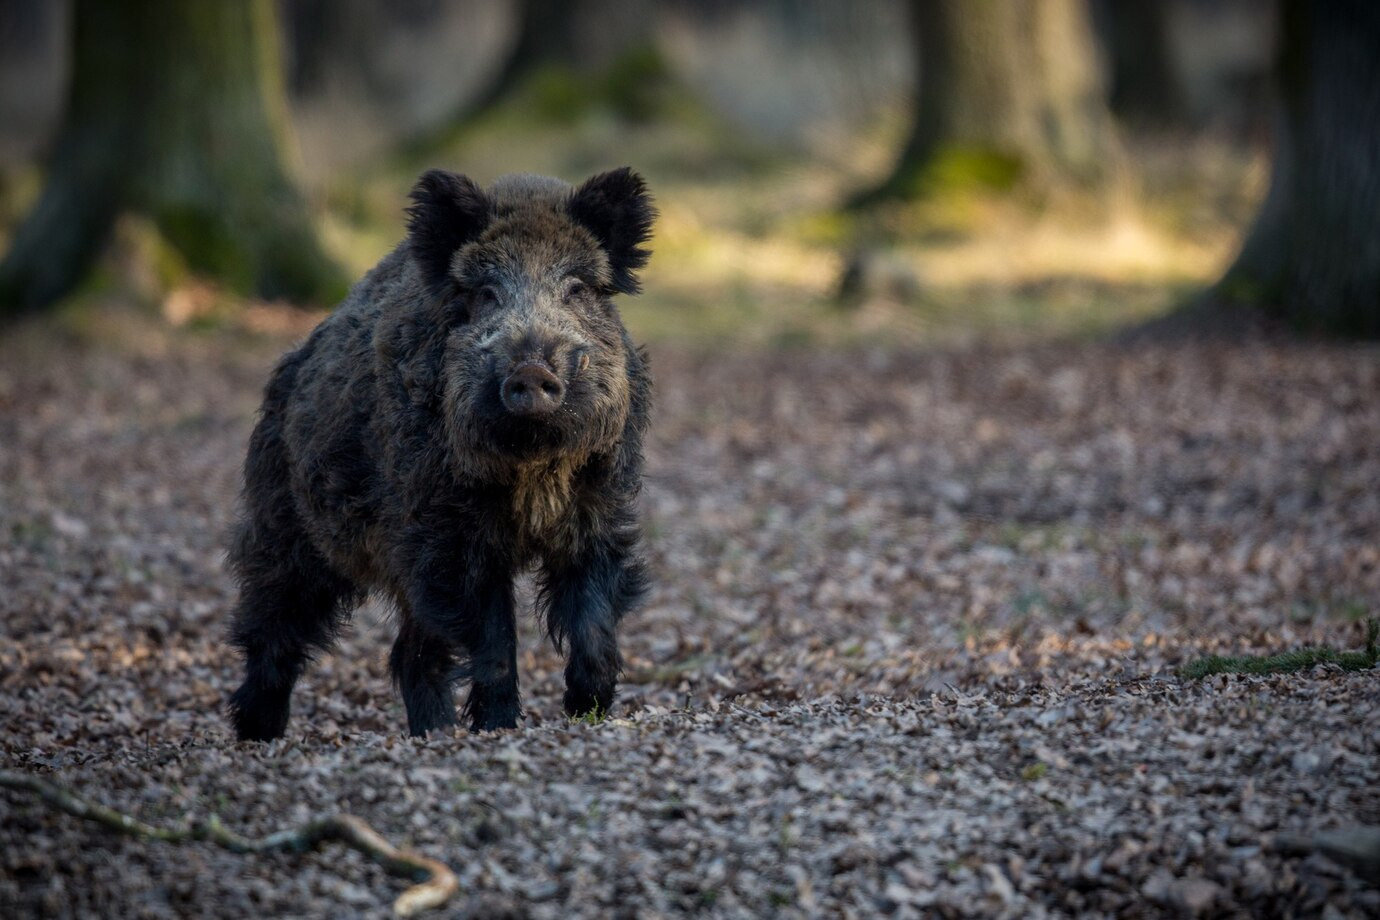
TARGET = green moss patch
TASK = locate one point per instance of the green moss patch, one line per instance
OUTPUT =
(960, 169)
(1297, 660)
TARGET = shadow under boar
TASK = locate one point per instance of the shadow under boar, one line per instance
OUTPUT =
(474, 407)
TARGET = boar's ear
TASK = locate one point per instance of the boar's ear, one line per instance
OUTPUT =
(617, 209)
(448, 211)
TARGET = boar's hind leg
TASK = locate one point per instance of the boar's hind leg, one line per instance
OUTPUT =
(291, 607)
(584, 603)
(423, 667)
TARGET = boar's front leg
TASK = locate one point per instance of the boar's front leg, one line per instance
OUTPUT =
(586, 597)
(423, 669)
(473, 611)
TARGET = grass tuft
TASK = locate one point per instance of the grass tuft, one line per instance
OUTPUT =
(594, 717)
(1287, 662)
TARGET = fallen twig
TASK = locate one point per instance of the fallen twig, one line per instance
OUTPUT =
(435, 882)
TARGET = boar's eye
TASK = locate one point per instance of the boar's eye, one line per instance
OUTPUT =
(458, 312)
(485, 298)
(575, 290)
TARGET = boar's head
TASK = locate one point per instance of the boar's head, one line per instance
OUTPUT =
(536, 355)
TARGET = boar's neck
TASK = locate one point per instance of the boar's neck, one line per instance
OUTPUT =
(541, 495)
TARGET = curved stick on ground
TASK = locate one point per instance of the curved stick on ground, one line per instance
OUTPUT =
(437, 883)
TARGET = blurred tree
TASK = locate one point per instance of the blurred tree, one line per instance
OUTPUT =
(1312, 258)
(175, 110)
(1009, 90)
(365, 77)
(546, 30)
(1146, 87)
(807, 75)
(33, 63)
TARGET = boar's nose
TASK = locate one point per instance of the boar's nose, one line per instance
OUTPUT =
(532, 389)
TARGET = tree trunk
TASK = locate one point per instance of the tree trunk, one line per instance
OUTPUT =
(545, 39)
(1009, 90)
(175, 110)
(1313, 257)
(1146, 88)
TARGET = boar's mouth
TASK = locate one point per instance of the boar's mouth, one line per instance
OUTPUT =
(485, 428)
(524, 438)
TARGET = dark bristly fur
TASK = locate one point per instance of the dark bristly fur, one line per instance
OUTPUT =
(395, 454)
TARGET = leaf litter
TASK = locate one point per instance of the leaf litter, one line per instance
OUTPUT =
(913, 647)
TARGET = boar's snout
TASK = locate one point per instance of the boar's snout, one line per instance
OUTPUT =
(532, 389)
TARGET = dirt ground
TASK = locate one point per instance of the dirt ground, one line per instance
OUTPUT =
(911, 650)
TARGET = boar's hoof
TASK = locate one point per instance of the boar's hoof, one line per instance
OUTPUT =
(487, 715)
(258, 716)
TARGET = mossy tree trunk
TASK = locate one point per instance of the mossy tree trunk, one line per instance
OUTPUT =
(176, 110)
(1008, 90)
(1312, 259)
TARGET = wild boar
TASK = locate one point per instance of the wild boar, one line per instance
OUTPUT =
(475, 407)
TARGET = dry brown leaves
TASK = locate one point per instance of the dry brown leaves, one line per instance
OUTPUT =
(911, 647)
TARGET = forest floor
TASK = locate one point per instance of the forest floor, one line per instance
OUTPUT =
(912, 649)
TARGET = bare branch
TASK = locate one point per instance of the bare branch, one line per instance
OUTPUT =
(435, 883)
